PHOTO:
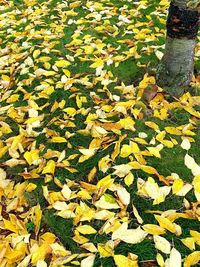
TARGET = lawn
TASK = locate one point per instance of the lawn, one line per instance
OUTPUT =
(93, 171)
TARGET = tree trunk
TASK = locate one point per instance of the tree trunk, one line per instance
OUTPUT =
(176, 68)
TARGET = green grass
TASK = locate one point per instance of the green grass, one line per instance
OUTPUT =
(62, 229)
(128, 72)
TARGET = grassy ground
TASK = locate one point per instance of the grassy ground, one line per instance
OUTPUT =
(69, 71)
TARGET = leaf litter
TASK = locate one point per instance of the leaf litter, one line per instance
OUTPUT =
(71, 145)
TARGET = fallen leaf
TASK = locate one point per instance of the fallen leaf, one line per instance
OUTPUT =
(162, 244)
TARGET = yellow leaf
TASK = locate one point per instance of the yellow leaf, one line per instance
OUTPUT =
(96, 143)
(98, 131)
(140, 36)
(126, 150)
(189, 242)
(14, 256)
(32, 156)
(48, 90)
(136, 214)
(90, 247)
(88, 152)
(196, 236)
(160, 136)
(192, 259)
(149, 169)
(36, 53)
(37, 219)
(184, 190)
(134, 147)
(164, 3)
(61, 103)
(140, 141)
(165, 223)
(160, 260)
(50, 167)
(86, 229)
(105, 250)
(135, 165)
(161, 114)
(73, 5)
(67, 73)
(47, 74)
(8, 225)
(192, 111)
(177, 186)
(58, 139)
(122, 170)
(146, 80)
(127, 123)
(88, 49)
(105, 182)
(122, 261)
(79, 238)
(40, 253)
(154, 151)
(47, 65)
(97, 63)
(173, 130)
(92, 174)
(153, 229)
(129, 179)
(104, 163)
(62, 63)
(83, 158)
(5, 129)
(83, 194)
(70, 111)
(162, 244)
(47, 238)
(167, 143)
(13, 98)
(152, 125)
(30, 187)
(116, 151)
(88, 187)
(5, 78)
(66, 192)
(44, 59)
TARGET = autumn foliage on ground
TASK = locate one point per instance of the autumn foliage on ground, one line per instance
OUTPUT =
(98, 166)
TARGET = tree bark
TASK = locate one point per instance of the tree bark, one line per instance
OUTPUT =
(175, 70)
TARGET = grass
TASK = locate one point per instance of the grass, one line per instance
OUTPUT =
(129, 70)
